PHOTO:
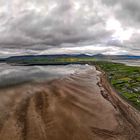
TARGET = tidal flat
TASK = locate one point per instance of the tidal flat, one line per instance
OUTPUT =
(78, 106)
(73, 102)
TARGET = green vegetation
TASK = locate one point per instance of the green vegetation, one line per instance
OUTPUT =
(125, 79)
(47, 61)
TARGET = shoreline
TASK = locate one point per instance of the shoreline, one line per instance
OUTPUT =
(120, 102)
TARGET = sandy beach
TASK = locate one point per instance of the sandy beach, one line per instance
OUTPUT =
(81, 106)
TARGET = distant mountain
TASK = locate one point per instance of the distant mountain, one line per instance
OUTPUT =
(120, 57)
(48, 56)
(2, 59)
(73, 55)
(30, 57)
(36, 58)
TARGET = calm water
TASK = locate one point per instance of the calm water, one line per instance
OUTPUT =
(10, 75)
(129, 62)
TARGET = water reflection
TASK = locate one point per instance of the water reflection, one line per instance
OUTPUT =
(10, 75)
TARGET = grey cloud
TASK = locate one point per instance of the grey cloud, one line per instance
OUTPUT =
(53, 35)
(42, 25)
(62, 25)
(128, 11)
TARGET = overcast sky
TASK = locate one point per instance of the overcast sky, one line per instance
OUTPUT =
(69, 26)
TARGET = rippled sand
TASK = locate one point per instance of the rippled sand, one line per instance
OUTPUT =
(81, 106)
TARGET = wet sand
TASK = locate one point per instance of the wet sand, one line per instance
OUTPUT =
(81, 106)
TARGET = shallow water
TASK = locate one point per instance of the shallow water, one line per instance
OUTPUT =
(129, 62)
(10, 75)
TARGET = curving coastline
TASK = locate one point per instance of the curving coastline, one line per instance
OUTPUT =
(82, 106)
